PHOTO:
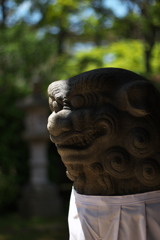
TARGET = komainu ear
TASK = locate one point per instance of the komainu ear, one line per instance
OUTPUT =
(138, 98)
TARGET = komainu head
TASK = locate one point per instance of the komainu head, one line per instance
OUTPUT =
(105, 124)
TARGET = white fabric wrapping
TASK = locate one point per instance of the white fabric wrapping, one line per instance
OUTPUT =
(130, 217)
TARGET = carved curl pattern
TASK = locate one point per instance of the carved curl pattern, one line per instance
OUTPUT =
(118, 163)
(107, 184)
(147, 172)
(107, 122)
(139, 142)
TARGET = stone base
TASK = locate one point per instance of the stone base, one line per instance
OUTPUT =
(42, 201)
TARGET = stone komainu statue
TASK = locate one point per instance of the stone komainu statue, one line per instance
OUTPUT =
(105, 124)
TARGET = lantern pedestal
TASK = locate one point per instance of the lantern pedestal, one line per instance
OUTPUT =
(40, 201)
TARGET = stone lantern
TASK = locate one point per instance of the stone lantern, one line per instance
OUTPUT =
(40, 197)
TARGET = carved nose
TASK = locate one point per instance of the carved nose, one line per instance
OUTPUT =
(59, 122)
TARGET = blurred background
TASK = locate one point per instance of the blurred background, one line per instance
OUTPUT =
(42, 41)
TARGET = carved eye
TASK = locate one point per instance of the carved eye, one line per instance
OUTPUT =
(96, 167)
(56, 106)
(78, 101)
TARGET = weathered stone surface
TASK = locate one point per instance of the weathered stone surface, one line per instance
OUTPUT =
(105, 124)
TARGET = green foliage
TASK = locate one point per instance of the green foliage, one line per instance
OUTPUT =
(126, 54)
(130, 26)
(23, 56)
(155, 62)
(57, 9)
(146, 27)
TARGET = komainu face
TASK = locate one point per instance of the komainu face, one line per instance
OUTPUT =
(105, 124)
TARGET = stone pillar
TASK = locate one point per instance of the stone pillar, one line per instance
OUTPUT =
(40, 197)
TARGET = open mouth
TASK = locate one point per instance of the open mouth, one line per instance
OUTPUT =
(79, 140)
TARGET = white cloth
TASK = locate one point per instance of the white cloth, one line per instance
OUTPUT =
(130, 217)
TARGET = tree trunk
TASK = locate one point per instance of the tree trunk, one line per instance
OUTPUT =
(4, 13)
(61, 37)
(150, 39)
